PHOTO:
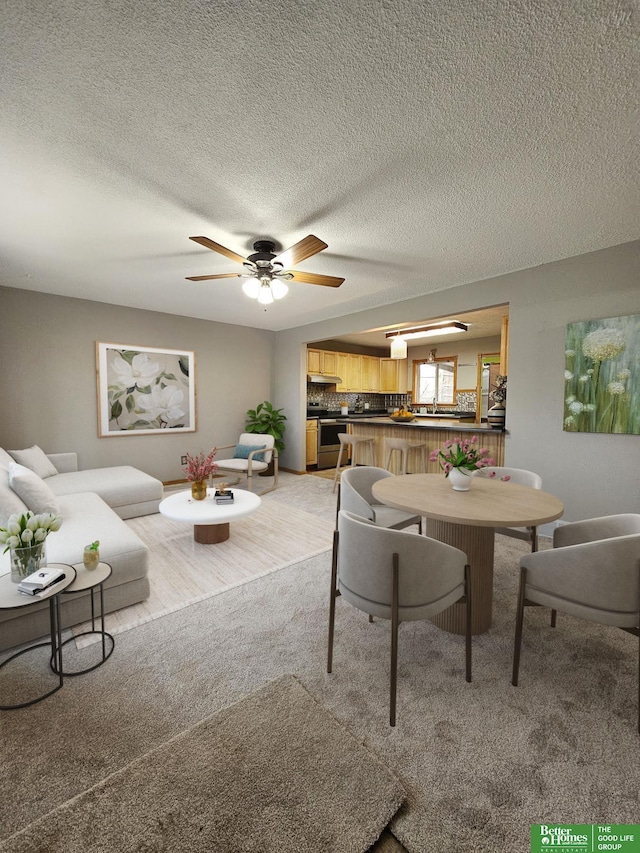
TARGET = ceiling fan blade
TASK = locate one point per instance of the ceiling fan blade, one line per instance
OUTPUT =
(313, 278)
(216, 247)
(210, 277)
(300, 251)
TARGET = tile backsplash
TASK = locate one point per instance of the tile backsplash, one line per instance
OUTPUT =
(465, 400)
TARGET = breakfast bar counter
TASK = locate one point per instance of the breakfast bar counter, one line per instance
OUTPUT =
(433, 433)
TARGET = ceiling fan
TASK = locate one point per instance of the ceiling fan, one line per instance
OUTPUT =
(265, 271)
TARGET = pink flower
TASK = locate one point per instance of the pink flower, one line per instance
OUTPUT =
(447, 467)
(448, 442)
(506, 478)
(480, 464)
(474, 439)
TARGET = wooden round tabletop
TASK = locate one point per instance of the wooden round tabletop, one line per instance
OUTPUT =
(488, 503)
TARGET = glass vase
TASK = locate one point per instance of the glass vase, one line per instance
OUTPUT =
(26, 560)
(199, 490)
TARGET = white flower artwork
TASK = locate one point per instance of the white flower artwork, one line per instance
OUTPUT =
(143, 390)
(602, 376)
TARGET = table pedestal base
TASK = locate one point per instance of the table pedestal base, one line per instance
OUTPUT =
(477, 544)
(210, 534)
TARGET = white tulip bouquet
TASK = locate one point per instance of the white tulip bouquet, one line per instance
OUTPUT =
(25, 535)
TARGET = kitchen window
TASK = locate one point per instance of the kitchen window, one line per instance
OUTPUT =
(435, 380)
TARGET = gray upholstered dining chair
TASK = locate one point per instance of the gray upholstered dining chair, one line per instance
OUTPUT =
(355, 496)
(252, 455)
(396, 575)
(525, 478)
(593, 572)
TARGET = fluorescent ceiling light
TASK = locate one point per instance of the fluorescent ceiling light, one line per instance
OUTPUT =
(450, 328)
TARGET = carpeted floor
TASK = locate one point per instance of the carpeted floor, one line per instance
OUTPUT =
(273, 773)
(480, 762)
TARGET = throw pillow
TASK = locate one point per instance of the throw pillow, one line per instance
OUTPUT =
(242, 451)
(5, 460)
(33, 490)
(35, 459)
(10, 503)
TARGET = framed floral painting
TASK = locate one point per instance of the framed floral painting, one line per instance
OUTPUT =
(602, 376)
(144, 391)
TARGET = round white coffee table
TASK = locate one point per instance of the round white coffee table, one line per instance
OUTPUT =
(210, 520)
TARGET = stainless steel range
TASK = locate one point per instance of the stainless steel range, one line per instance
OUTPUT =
(328, 442)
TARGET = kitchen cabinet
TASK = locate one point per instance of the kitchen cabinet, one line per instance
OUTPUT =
(369, 373)
(312, 441)
(322, 362)
(359, 373)
(349, 370)
(392, 372)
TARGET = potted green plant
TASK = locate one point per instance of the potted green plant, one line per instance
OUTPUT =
(265, 420)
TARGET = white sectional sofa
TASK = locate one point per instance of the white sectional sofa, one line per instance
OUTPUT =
(92, 504)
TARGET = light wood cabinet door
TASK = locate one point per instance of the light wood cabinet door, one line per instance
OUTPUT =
(342, 370)
(391, 372)
(328, 363)
(314, 361)
(354, 368)
(370, 373)
(312, 442)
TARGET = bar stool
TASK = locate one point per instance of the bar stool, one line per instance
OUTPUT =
(404, 448)
(353, 441)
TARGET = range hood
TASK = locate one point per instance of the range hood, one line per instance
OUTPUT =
(322, 379)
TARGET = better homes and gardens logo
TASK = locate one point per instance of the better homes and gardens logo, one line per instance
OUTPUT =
(585, 838)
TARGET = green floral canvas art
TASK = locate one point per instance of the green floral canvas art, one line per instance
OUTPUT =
(143, 390)
(602, 376)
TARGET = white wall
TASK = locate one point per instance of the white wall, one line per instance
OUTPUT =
(48, 378)
(593, 474)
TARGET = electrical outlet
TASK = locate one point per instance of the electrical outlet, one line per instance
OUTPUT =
(183, 460)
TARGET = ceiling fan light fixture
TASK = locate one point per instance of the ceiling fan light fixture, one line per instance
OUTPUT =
(278, 288)
(265, 296)
(251, 287)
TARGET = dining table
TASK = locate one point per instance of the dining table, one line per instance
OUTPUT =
(468, 520)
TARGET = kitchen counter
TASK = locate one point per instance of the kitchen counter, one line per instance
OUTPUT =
(433, 432)
(421, 422)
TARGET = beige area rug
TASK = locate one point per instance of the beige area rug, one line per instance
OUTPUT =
(328, 473)
(274, 772)
(182, 572)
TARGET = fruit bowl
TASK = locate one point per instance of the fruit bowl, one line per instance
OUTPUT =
(402, 419)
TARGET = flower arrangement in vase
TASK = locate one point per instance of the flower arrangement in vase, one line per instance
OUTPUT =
(198, 469)
(25, 537)
(459, 460)
(496, 414)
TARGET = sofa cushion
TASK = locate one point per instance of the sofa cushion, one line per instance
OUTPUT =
(86, 517)
(10, 503)
(32, 490)
(118, 486)
(35, 459)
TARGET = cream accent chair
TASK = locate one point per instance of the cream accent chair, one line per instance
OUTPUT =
(399, 576)
(355, 496)
(247, 465)
(525, 478)
(593, 572)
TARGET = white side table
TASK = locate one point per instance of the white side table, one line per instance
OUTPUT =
(11, 599)
(93, 580)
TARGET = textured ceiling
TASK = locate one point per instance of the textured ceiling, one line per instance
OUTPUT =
(428, 143)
